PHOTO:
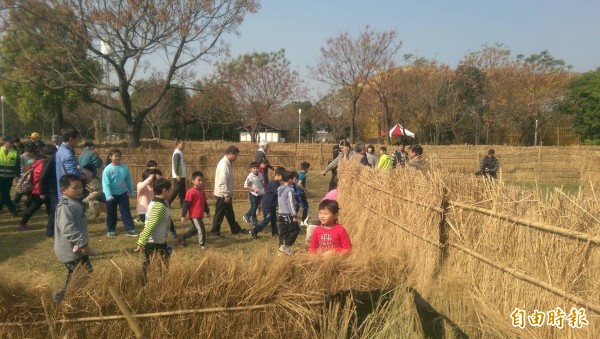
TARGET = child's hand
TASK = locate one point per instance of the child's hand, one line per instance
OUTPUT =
(137, 249)
(183, 219)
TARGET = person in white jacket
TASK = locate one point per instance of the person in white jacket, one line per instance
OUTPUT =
(224, 193)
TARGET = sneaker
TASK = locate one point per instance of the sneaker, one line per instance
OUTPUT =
(111, 234)
(246, 219)
(131, 233)
(286, 250)
(253, 235)
(58, 296)
(181, 241)
(203, 247)
(215, 235)
(306, 221)
(24, 227)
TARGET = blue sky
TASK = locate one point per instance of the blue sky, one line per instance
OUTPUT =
(444, 30)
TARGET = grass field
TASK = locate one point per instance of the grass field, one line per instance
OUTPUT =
(30, 254)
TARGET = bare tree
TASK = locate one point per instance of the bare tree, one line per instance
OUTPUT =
(349, 63)
(261, 84)
(128, 37)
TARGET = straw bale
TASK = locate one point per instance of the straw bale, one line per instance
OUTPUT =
(477, 295)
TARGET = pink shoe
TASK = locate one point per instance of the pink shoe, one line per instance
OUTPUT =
(24, 227)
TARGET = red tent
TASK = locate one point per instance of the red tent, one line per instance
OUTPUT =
(399, 131)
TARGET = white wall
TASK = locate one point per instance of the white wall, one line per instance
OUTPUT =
(269, 136)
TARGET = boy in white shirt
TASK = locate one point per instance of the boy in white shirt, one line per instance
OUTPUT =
(255, 184)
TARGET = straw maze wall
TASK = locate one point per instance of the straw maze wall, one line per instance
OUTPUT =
(572, 165)
(477, 250)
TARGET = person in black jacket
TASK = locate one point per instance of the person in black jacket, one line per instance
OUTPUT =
(489, 165)
(49, 190)
(269, 206)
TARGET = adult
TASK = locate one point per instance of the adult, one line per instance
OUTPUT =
(37, 142)
(38, 199)
(400, 157)
(10, 166)
(333, 165)
(90, 158)
(260, 156)
(489, 164)
(360, 154)
(417, 160)
(49, 188)
(178, 172)
(65, 157)
(224, 193)
(56, 140)
(372, 156)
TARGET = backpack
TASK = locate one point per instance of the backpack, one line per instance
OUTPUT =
(25, 182)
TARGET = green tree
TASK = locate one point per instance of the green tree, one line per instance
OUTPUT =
(584, 104)
(33, 71)
(164, 39)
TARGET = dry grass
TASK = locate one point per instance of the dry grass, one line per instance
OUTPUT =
(477, 296)
(396, 245)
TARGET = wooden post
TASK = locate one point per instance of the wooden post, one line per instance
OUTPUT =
(443, 230)
(123, 307)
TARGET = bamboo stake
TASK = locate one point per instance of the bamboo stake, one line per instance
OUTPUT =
(160, 314)
(525, 277)
(126, 313)
(533, 224)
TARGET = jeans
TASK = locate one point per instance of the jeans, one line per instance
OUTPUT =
(223, 210)
(304, 204)
(71, 266)
(269, 217)
(122, 201)
(254, 203)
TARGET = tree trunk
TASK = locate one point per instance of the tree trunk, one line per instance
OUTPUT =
(133, 135)
(59, 121)
(97, 131)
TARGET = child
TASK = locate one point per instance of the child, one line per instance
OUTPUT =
(116, 184)
(70, 230)
(255, 184)
(195, 202)
(330, 236)
(385, 160)
(269, 206)
(288, 228)
(153, 238)
(145, 193)
(151, 164)
(301, 192)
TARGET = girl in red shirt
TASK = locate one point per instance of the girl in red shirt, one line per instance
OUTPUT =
(330, 236)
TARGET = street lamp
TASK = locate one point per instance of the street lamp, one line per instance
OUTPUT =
(299, 122)
(2, 99)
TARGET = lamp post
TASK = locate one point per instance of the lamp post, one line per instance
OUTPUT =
(299, 122)
(2, 99)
